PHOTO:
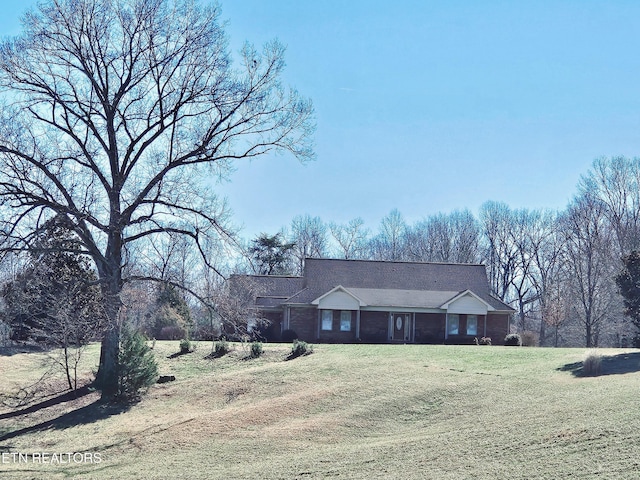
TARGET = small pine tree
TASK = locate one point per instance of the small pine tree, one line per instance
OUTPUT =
(137, 367)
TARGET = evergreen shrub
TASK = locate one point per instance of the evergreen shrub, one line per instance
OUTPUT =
(513, 340)
(137, 367)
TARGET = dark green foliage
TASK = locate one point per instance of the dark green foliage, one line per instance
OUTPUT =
(272, 254)
(483, 341)
(185, 346)
(300, 348)
(137, 368)
(168, 295)
(221, 348)
(256, 349)
(172, 316)
(513, 340)
(628, 281)
(54, 299)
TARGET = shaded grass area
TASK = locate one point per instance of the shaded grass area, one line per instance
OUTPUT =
(620, 364)
(351, 411)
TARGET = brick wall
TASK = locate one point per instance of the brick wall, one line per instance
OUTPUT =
(430, 327)
(497, 327)
(374, 327)
(304, 321)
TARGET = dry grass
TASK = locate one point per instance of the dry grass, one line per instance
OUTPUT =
(591, 363)
(348, 411)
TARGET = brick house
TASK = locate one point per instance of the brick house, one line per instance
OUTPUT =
(344, 301)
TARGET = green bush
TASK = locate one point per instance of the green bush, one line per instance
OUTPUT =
(256, 349)
(221, 347)
(591, 363)
(137, 368)
(300, 348)
(513, 340)
(185, 346)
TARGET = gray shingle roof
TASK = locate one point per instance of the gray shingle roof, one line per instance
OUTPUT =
(321, 275)
(265, 290)
(406, 298)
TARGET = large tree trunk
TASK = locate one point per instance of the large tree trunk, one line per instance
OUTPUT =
(107, 376)
(111, 276)
(542, 335)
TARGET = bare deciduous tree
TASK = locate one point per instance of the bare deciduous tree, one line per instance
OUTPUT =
(236, 307)
(390, 242)
(453, 237)
(351, 238)
(546, 271)
(114, 114)
(501, 255)
(616, 182)
(309, 237)
(588, 245)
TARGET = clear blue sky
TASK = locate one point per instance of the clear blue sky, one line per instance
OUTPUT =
(431, 106)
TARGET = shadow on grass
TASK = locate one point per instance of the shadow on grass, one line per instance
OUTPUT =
(65, 397)
(179, 354)
(8, 351)
(91, 413)
(609, 365)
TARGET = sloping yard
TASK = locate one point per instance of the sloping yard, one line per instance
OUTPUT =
(346, 411)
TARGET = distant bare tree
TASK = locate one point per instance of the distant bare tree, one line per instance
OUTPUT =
(520, 285)
(351, 238)
(616, 182)
(430, 240)
(235, 304)
(588, 244)
(501, 254)
(390, 242)
(453, 237)
(115, 115)
(466, 236)
(547, 272)
(556, 310)
(309, 239)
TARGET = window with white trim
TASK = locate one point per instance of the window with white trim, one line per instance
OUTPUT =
(327, 320)
(345, 321)
(472, 324)
(453, 324)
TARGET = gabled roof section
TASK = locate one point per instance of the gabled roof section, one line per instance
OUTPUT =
(460, 295)
(339, 288)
